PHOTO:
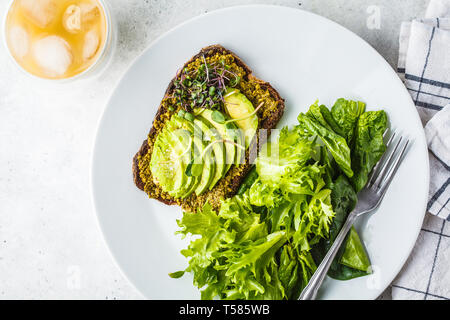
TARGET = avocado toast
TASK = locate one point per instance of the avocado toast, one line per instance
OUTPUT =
(206, 131)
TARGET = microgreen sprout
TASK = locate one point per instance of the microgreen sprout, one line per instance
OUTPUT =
(205, 86)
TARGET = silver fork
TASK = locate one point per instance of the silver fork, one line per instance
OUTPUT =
(368, 200)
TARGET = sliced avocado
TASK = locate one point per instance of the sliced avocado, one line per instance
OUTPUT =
(211, 136)
(205, 164)
(239, 107)
(240, 149)
(184, 147)
(206, 156)
(230, 149)
(169, 169)
(168, 173)
(186, 135)
(183, 144)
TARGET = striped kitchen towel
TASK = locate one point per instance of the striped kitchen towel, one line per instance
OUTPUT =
(424, 65)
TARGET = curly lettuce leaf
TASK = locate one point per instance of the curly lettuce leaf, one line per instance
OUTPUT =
(313, 224)
(280, 159)
(234, 257)
(284, 168)
(263, 194)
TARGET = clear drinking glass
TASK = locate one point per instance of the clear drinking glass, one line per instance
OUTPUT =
(100, 63)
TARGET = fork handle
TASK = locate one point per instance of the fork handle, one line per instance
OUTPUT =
(310, 291)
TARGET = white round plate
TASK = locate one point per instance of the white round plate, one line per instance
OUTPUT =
(305, 57)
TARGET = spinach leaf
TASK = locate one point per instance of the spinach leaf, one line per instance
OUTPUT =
(288, 272)
(251, 177)
(328, 116)
(343, 200)
(330, 165)
(323, 115)
(354, 255)
(342, 272)
(346, 114)
(369, 146)
(335, 143)
(315, 113)
(351, 260)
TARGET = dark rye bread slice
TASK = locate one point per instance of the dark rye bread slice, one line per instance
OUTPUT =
(228, 185)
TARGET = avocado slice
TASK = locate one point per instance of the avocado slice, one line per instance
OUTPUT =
(181, 139)
(167, 173)
(168, 162)
(185, 131)
(206, 163)
(239, 107)
(230, 149)
(210, 136)
(206, 156)
(183, 143)
(240, 149)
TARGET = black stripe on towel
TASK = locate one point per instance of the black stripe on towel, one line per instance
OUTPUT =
(438, 194)
(428, 81)
(428, 105)
(426, 64)
(434, 262)
(440, 161)
(430, 94)
(442, 208)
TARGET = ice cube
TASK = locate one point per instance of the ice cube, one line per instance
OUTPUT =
(40, 12)
(53, 54)
(72, 18)
(19, 41)
(91, 44)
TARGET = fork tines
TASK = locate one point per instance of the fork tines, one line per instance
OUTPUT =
(385, 169)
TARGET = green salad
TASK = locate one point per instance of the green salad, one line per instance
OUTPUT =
(266, 242)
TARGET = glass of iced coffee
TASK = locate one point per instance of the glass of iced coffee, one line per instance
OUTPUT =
(59, 39)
